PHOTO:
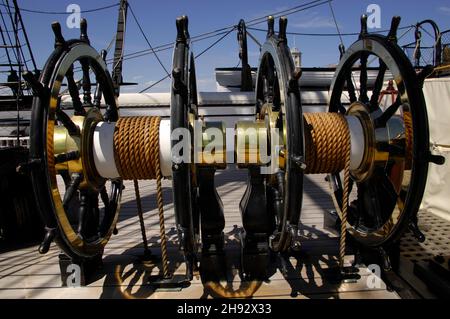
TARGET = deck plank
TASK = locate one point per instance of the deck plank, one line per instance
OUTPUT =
(26, 274)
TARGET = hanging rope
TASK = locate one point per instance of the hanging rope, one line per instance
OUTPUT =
(136, 149)
(141, 216)
(328, 150)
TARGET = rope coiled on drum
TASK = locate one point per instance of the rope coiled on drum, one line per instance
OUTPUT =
(135, 139)
(326, 137)
(328, 150)
(136, 149)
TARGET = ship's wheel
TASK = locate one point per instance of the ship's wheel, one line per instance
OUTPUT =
(67, 186)
(279, 106)
(80, 148)
(183, 114)
(386, 190)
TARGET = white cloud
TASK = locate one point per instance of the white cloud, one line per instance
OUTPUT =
(265, 13)
(444, 10)
(315, 21)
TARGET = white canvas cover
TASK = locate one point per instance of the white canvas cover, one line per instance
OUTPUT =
(436, 198)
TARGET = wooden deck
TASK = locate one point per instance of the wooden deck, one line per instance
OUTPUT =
(26, 274)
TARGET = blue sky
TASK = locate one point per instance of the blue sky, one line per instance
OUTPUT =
(158, 21)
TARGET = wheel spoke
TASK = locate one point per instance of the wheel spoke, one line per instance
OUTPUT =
(363, 79)
(376, 200)
(72, 188)
(98, 95)
(350, 87)
(378, 87)
(74, 93)
(104, 196)
(348, 79)
(341, 109)
(88, 218)
(388, 113)
(268, 83)
(94, 217)
(387, 195)
(87, 98)
(66, 157)
(108, 211)
(71, 127)
(82, 213)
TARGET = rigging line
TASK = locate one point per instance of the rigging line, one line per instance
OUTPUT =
(341, 39)
(336, 23)
(61, 12)
(6, 49)
(10, 31)
(399, 38)
(108, 48)
(148, 42)
(17, 44)
(19, 92)
(427, 32)
(282, 12)
(24, 33)
(197, 56)
(161, 48)
(170, 45)
(157, 82)
(7, 34)
(304, 8)
(224, 30)
(329, 34)
(254, 39)
(215, 42)
(220, 31)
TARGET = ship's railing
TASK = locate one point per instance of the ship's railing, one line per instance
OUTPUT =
(445, 47)
(427, 53)
(12, 142)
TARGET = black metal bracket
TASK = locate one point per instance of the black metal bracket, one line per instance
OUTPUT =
(255, 256)
(211, 212)
(176, 282)
(414, 228)
(27, 167)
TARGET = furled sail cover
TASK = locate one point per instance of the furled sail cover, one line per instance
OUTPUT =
(436, 199)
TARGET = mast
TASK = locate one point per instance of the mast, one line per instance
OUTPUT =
(119, 48)
(246, 72)
(25, 35)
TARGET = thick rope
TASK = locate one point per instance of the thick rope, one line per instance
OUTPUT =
(159, 199)
(345, 199)
(134, 138)
(326, 136)
(136, 148)
(407, 119)
(328, 150)
(141, 216)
